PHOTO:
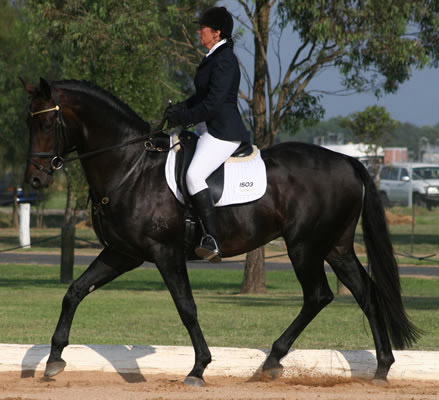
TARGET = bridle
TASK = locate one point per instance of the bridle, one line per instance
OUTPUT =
(57, 162)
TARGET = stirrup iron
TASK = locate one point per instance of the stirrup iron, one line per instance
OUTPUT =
(211, 255)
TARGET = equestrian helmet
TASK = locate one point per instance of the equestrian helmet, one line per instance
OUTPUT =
(217, 18)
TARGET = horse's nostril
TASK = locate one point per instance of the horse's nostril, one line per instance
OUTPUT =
(36, 183)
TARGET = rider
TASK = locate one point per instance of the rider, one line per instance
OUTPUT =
(215, 102)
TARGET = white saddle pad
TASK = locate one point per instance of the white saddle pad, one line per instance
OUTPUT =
(245, 178)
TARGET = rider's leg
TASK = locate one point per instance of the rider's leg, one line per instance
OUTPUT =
(209, 155)
(208, 248)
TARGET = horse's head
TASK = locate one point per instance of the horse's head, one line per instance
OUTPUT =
(46, 127)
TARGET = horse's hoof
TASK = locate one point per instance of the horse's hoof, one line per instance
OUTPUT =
(194, 381)
(54, 368)
(380, 382)
(272, 373)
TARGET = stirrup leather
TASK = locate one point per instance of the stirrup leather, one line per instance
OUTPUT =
(207, 254)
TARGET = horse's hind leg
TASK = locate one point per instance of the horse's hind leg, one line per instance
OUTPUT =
(316, 295)
(104, 269)
(351, 273)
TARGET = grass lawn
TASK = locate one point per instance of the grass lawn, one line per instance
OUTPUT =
(137, 309)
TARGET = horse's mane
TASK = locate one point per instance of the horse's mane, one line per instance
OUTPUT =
(90, 89)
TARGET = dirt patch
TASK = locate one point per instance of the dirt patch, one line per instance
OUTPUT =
(105, 386)
(397, 219)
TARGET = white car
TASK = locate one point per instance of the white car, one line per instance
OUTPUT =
(418, 180)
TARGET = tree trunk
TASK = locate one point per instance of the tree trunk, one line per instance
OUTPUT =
(69, 213)
(254, 273)
(68, 237)
(259, 104)
(40, 210)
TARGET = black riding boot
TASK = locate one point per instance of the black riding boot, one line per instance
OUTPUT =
(208, 249)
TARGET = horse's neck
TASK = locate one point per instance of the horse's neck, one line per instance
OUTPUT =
(106, 170)
(99, 129)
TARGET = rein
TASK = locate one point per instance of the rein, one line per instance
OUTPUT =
(57, 161)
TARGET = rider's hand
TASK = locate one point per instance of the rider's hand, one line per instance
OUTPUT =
(175, 115)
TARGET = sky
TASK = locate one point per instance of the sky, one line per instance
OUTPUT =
(416, 101)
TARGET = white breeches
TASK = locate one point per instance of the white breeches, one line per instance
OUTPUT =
(209, 155)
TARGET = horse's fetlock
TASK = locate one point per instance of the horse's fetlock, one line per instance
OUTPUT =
(271, 363)
(207, 361)
(385, 359)
(58, 344)
(278, 351)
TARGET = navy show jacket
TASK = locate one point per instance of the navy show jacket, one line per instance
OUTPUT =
(216, 98)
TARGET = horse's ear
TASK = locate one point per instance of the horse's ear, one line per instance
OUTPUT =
(45, 89)
(27, 86)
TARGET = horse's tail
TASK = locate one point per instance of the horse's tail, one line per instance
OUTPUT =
(382, 264)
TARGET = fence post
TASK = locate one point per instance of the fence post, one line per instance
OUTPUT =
(24, 224)
(67, 252)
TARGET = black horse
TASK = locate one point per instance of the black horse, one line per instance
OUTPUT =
(314, 200)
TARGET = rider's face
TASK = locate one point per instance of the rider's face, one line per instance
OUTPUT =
(208, 36)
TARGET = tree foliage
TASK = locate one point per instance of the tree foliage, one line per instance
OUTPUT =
(374, 45)
(372, 126)
(115, 44)
(13, 61)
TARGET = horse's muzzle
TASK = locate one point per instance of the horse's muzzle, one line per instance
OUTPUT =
(39, 181)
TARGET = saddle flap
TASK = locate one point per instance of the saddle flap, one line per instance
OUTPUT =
(188, 143)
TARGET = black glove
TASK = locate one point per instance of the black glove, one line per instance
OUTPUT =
(175, 115)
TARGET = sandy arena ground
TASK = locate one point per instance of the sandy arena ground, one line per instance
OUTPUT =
(113, 386)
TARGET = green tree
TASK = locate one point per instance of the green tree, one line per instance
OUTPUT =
(374, 127)
(115, 44)
(320, 132)
(374, 45)
(14, 61)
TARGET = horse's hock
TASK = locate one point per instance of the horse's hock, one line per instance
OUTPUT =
(239, 362)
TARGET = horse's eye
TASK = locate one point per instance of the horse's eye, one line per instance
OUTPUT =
(46, 125)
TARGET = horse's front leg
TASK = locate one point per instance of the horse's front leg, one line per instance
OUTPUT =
(107, 266)
(172, 266)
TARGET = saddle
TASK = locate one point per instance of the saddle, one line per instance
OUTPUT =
(188, 142)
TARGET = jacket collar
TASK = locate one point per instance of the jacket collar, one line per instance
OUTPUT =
(213, 49)
(212, 55)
